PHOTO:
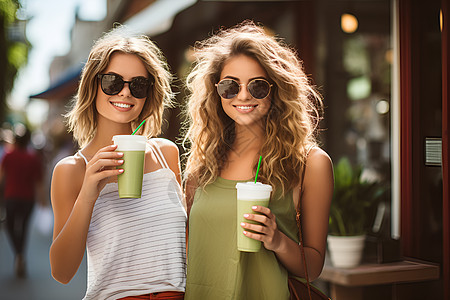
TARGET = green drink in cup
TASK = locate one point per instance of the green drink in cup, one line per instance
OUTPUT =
(133, 149)
(248, 195)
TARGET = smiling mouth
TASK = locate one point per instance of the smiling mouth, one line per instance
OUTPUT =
(121, 105)
(245, 107)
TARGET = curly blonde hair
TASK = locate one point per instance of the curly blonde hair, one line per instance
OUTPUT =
(82, 120)
(290, 124)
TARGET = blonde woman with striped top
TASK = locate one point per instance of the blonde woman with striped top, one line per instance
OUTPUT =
(135, 247)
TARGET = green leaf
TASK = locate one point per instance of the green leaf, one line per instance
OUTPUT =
(352, 198)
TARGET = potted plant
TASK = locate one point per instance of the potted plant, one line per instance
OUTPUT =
(353, 200)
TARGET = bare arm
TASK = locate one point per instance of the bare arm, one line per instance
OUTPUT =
(74, 190)
(316, 200)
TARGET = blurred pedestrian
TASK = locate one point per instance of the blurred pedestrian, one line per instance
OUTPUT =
(21, 174)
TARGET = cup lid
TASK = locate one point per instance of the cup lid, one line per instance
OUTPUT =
(129, 137)
(252, 185)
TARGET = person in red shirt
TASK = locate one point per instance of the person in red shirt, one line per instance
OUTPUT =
(21, 173)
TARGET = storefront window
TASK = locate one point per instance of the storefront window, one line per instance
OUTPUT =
(354, 65)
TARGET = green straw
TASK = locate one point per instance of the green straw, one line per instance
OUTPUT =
(138, 127)
(257, 169)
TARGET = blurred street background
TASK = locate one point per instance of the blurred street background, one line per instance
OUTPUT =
(38, 283)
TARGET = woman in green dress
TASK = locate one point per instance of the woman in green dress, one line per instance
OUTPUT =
(249, 98)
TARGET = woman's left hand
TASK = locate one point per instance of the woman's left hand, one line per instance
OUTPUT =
(267, 232)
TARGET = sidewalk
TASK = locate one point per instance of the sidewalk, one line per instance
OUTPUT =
(39, 284)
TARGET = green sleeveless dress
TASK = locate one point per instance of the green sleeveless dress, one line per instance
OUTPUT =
(215, 268)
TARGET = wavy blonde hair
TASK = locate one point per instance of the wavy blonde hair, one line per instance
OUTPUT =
(82, 120)
(290, 124)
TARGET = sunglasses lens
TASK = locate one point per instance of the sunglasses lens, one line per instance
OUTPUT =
(228, 88)
(259, 88)
(111, 84)
(139, 87)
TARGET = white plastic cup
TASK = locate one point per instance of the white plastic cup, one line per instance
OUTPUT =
(248, 195)
(133, 149)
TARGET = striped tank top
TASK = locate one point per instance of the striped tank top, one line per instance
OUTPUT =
(137, 246)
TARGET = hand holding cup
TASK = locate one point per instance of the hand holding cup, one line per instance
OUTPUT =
(250, 194)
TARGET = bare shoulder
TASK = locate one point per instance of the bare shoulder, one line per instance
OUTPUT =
(318, 183)
(318, 158)
(171, 155)
(162, 142)
(319, 168)
(68, 174)
(70, 164)
(168, 148)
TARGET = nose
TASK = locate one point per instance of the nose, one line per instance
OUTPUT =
(125, 92)
(243, 92)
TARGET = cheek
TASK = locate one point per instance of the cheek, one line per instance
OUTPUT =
(101, 98)
(228, 109)
(98, 101)
(224, 104)
(140, 105)
(100, 93)
(265, 106)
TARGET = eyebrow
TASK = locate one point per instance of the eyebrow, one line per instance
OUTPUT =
(114, 73)
(250, 79)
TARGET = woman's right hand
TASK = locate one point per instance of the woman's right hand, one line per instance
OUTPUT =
(99, 170)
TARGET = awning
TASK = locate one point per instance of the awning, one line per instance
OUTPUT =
(63, 88)
(155, 19)
(158, 17)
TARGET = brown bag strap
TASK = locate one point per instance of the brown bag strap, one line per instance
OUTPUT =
(302, 250)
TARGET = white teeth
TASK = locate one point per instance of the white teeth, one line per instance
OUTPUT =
(122, 105)
(245, 107)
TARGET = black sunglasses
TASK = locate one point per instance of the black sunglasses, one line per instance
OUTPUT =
(112, 84)
(230, 88)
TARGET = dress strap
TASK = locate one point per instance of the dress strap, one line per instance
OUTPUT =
(82, 155)
(158, 153)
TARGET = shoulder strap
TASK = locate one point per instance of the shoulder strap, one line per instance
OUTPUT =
(84, 157)
(298, 212)
(159, 156)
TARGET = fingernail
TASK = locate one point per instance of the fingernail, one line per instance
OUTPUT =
(242, 224)
(120, 170)
(246, 215)
(119, 153)
(120, 161)
(244, 232)
(254, 207)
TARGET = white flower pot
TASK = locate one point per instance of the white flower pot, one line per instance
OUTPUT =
(346, 251)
